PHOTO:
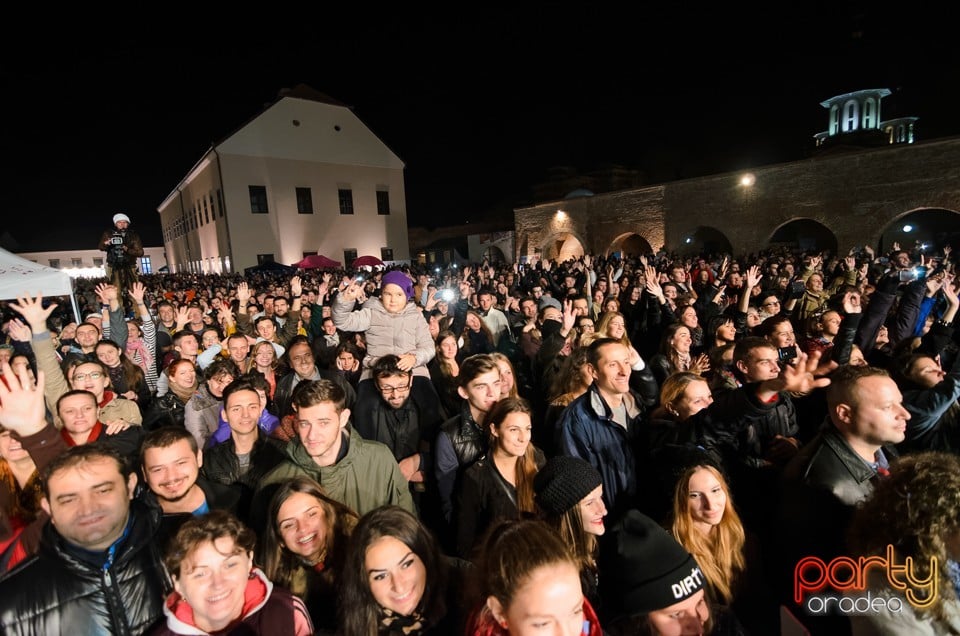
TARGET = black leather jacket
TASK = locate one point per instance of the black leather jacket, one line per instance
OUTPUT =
(67, 590)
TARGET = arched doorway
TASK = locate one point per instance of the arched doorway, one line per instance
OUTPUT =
(493, 255)
(705, 240)
(562, 247)
(629, 244)
(806, 235)
(925, 231)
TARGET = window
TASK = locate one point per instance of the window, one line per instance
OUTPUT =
(55, 262)
(346, 201)
(258, 199)
(98, 262)
(304, 201)
(306, 254)
(145, 266)
(76, 262)
(220, 203)
(869, 113)
(383, 202)
(851, 116)
(834, 119)
(349, 256)
(264, 258)
(386, 254)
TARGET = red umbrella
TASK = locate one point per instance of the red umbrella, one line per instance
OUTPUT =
(371, 261)
(315, 261)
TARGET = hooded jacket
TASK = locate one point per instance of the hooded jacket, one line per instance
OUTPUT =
(266, 610)
(366, 476)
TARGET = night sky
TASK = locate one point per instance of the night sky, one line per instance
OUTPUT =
(478, 106)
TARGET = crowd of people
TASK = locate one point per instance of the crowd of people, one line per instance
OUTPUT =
(610, 445)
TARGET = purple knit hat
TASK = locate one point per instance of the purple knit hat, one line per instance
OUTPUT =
(401, 280)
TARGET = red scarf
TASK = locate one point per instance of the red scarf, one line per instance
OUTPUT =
(92, 437)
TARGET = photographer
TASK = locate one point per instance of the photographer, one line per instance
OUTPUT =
(123, 248)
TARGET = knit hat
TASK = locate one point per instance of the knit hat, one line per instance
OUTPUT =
(644, 568)
(120, 216)
(401, 280)
(563, 482)
(550, 301)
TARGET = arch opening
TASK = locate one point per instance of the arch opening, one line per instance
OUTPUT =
(804, 235)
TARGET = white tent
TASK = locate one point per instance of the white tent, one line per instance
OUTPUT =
(19, 276)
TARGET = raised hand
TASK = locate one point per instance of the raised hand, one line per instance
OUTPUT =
(21, 402)
(701, 364)
(137, 291)
(352, 292)
(182, 316)
(295, 287)
(33, 311)
(243, 292)
(753, 276)
(851, 303)
(569, 318)
(19, 331)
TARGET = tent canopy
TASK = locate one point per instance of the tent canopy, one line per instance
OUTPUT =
(19, 276)
(270, 266)
(369, 261)
(317, 260)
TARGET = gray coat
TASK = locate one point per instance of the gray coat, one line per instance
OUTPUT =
(386, 333)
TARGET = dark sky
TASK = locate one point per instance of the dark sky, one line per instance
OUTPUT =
(106, 119)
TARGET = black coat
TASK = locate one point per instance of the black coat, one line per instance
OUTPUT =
(66, 590)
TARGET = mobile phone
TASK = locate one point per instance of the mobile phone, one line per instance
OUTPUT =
(358, 279)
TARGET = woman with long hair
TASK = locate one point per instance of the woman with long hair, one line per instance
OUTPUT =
(141, 348)
(444, 369)
(476, 337)
(305, 544)
(170, 408)
(569, 497)
(508, 379)
(499, 485)
(571, 382)
(706, 523)
(396, 582)
(127, 379)
(263, 359)
(23, 517)
(529, 583)
(675, 354)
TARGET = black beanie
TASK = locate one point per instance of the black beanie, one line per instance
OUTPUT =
(643, 568)
(563, 482)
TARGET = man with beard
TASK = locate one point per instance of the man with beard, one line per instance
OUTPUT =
(170, 461)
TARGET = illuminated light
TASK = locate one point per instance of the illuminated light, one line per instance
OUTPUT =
(923, 246)
(561, 215)
(688, 240)
(908, 228)
(748, 180)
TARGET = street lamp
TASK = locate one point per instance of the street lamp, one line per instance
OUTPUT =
(748, 179)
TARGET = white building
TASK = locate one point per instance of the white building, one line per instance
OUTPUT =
(303, 177)
(89, 263)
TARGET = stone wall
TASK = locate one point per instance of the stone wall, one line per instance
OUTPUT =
(855, 195)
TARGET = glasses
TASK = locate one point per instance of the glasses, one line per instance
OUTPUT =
(390, 390)
(80, 377)
(307, 357)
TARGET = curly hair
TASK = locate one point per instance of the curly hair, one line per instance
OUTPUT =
(916, 509)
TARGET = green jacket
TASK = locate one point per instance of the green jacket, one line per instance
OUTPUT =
(367, 477)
